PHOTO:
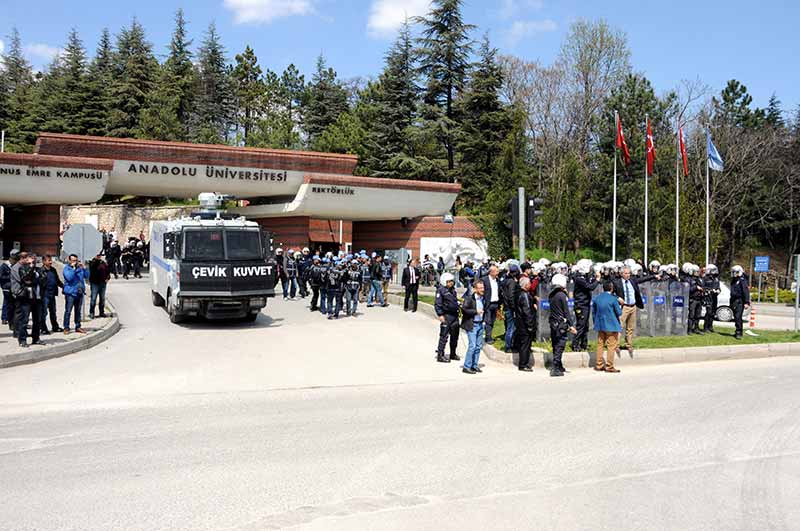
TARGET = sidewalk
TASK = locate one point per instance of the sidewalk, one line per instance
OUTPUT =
(58, 344)
(574, 360)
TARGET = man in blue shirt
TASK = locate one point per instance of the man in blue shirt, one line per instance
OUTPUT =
(472, 323)
(606, 311)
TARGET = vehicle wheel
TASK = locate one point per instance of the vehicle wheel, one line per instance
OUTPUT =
(157, 299)
(724, 314)
(251, 317)
(172, 310)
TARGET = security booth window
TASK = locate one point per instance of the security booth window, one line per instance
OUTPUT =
(203, 245)
(243, 244)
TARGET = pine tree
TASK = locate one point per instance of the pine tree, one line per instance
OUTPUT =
(733, 106)
(248, 89)
(214, 109)
(99, 80)
(293, 89)
(69, 108)
(327, 99)
(444, 52)
(485, 125)
(159, 118)
(18, 82)
(774, 114)
(390, 149)
(181, 73)
(135, 70)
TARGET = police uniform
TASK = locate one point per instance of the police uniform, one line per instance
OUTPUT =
(446, 305)
(740, 297)
(560, 323)
(584, 286)
(315, 274)
(334, 285)
(711, 289)
(696, 297)
(352, 283)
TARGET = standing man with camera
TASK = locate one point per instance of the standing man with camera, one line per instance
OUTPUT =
(25, 287)
(75, 276)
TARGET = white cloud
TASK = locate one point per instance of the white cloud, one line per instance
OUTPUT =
(515, 8)
(265, 11)
(43, 52)
(521, 29)
(386, 16)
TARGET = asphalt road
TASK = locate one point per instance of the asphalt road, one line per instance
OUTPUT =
(159, 429)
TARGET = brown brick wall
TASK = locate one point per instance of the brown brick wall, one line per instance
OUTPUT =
(290, 232)
(178, 152)
(37, 228)
(371, 235)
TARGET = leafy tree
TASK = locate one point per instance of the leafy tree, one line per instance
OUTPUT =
(326, 100)
(248, 88)
(444, 50)
(135, 70)
(214, 110)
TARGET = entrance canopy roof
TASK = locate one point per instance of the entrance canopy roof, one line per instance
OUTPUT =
(299, 182)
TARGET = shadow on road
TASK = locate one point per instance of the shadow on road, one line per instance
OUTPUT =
(200, 323)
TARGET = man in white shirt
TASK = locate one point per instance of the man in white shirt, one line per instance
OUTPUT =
(493, 298)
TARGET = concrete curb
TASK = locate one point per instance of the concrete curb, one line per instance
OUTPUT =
(642, 356)
(36, 354)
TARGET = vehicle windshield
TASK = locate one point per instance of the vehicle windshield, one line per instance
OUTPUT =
(203, 245)
(243, 244)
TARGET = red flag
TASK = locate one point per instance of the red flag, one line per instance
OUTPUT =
(621, 144)
(651, 149)
(683, 152)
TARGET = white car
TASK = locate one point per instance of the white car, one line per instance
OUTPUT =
(724, 311)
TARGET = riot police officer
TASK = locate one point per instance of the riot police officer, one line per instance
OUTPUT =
(352, 283)
(446, 307)
(334, 284)
(315, 281)
(740, 297)
(560, 322)
(696, 296)
(323, 287)
(304, 264)
(585, 284)
(711, 290)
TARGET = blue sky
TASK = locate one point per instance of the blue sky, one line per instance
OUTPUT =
(757, 43)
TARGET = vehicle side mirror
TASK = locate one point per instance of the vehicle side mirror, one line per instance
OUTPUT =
(169, 245)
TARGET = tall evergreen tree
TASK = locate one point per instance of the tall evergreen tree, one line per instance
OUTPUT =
(774, 114)
(135, 70)
(444, 52)
(181, 73)
(159, 119)
(486, 123)
(293, 88)
(327, 99)
(17, 84)
(69, 111)
(99, 80)
(248, 89)
(214, 109)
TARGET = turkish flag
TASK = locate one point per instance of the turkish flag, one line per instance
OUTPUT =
(651, 149)
(621, 144)
(683, 152)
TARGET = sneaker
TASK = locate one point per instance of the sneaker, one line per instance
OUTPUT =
(468, 371)
(58, 329)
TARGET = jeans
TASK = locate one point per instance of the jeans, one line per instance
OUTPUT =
(27, 309)
(98, 290)
(74, 303)
(351, 301)
(511, 327)
(49, 306)
(334, 301)
(475, 339)
(323, 301)
(6, 305)
(375, 291)
(289, 287)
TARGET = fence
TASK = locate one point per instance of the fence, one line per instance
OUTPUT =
(665, 311)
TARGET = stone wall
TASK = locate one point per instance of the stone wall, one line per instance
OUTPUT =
(125, 221)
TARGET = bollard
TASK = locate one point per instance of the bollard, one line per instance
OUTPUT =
(752, 316)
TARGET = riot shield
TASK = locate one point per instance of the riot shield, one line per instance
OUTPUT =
(543, 330)
(678, 297)
(644, 317)
(660, 309)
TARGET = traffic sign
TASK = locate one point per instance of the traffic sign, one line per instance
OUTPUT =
(83, 240)
(762, 264)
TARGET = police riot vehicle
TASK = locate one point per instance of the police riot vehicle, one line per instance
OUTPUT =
(211, 264)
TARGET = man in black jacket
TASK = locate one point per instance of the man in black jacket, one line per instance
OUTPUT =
(525, 317)
(410, 281)
(585, 284)
(740, 297)
(446, 307)
(509, 288)
(9, 307)
(26, 288)
(560, 322)
(494, 298)
(711, 290)
(50, 286)
(627, 291)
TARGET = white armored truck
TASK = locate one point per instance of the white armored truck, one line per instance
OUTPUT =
(211, 264)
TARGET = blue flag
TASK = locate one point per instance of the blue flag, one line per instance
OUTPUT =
(714, 160)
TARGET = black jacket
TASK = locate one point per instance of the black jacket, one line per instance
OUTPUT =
(509, 290)
(446, 302)
(560, 316)
(468, 311)
(584, 286)
(524, 311)
(488, 293)
(5, 276)
(696, 288)
(406, 280)
(619, 291)
(740, 290)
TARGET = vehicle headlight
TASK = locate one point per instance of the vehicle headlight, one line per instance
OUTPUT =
(191, 304)
(258, 302)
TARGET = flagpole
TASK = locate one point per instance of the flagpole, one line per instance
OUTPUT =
(614, 224)
(677, 190)
(708, 200)
(646, 121)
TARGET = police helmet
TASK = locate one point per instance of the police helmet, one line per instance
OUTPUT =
(598, 267)
(537, 267)
(544, 261)
(711, 269)
(583, 266)
(278, 251)
(139, 245)
(655, 263)
(374, 254)
(672, 269)
(559, 280)
(687, 268)
(306, 250)
(447, 277)
(636, 270)
(737, 271)
(630, 262)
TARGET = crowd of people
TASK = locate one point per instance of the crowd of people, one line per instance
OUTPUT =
(512, 288)
(31, 286)
(335, 282)
(126, 259)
